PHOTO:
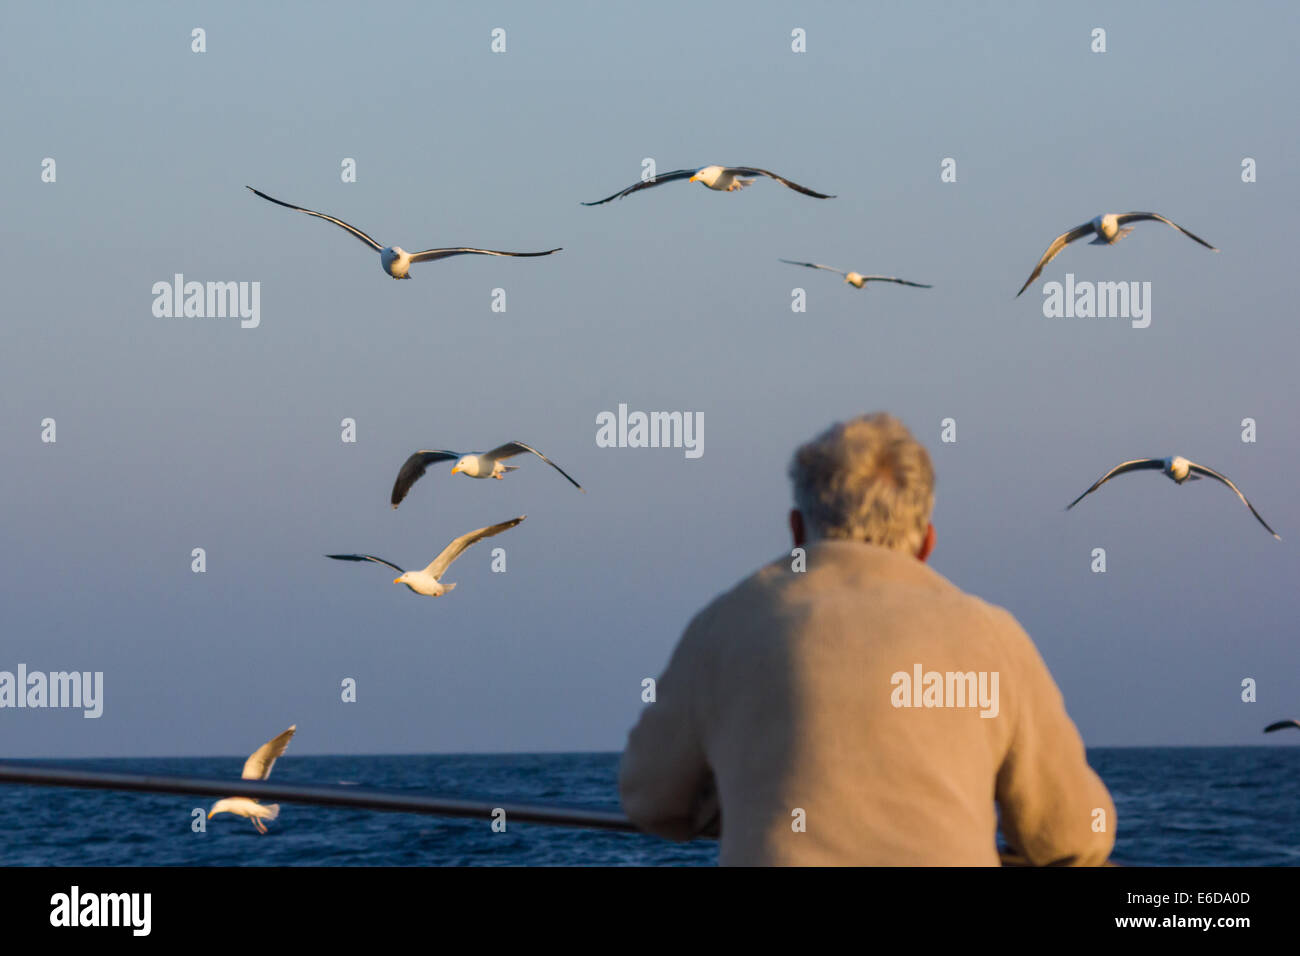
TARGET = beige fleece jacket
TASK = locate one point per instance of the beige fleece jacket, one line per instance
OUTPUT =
(784, 704)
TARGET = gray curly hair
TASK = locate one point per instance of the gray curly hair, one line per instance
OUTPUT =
(866, 479)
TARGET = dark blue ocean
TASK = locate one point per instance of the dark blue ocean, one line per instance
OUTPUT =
(1211, 806)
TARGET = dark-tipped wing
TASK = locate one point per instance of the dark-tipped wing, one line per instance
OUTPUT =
(1210, 472)
(258, 766)
(428, 255)
(439, 565)
(1280, 725)
(513, 448)
(815, 265)
(413, 470)
(918, 285)
(755, 171)
(365, 557)
(1137, 464)
(1140, 216)
(320, 215)
(1059, 243)
(646, 184)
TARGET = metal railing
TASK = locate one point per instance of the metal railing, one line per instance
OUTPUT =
(326, 796)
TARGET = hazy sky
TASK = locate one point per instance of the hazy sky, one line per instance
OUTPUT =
(174, 433)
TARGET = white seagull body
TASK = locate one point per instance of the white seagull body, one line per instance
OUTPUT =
(395, 260)
(483, 464)
(857, 279)
(722, 178)
(1177, 468)
(1108, 230)
(427, 582)
(257, 767)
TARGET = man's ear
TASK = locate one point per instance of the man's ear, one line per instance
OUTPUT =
(797, 528)
(927, 545)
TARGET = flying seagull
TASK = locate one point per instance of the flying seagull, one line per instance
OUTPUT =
(857, 279)
(1108, 232)
(395, 260)
(1180, 470)
(483, 464)
(257, 767)
(726, 178)
(426, 582)
(1280, 725)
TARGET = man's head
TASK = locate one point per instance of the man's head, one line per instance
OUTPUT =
(866, 480)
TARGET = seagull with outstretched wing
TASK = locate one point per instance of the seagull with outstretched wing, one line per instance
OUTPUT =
(427, 582)
(257, 767)
(395, 260)
(857, 279)
(722, 178)
(1108, 229)
(1177, 468)
(482, 464)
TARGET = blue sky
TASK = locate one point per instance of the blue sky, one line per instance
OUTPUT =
(183, 433)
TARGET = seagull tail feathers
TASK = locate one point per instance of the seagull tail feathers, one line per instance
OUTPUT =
(272, 811)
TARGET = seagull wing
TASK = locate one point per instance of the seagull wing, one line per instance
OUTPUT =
(338, 222)
(258, 766)
(1202, 470)
(919, 285)
(413, 470)
(815, 265)
(365, 557)
(755, 171)
(510, 449)
(1141, 216)
(1280, 725)
(1059, 243)
(646, 184)
(439, 565)
(1137, 464)
(428, 255)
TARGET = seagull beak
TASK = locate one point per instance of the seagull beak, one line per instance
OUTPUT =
(455, 468)
(691, 180)
(397, 580)
(210, 814)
